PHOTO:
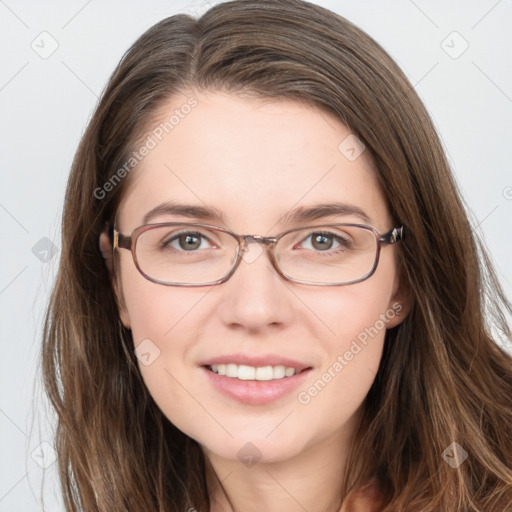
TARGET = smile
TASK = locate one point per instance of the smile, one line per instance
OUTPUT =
(245, 372)
(255, 385)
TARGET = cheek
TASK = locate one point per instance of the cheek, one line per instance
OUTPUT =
(355, 320)
(164, 332)
(156, 314)
(154, 310)
(353, 313)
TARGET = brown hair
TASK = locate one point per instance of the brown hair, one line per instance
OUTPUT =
(442, 378)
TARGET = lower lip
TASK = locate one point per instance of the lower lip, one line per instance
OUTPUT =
(255, 392)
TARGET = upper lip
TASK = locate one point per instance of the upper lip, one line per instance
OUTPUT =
(257, 361)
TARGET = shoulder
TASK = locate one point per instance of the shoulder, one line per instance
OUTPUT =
(366, 498)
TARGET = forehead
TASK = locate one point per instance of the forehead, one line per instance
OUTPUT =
(249, 160)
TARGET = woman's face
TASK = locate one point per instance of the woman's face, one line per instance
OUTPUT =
(254, 162)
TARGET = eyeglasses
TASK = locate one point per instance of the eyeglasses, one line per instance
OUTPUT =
(190, 254)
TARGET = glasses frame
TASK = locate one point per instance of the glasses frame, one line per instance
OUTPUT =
(129, 242)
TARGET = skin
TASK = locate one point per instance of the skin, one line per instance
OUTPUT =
(255, 160)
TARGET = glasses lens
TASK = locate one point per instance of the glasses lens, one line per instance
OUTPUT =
(195, 255)
(327, 254)
(184, 254)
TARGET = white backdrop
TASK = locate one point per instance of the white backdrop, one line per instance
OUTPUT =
(56, 59)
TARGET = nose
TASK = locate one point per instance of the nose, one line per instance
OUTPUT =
(256, 296)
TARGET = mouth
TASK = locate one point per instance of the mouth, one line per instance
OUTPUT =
(255, 385)
(255, 373)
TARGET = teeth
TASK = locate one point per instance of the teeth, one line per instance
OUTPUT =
(244, 372)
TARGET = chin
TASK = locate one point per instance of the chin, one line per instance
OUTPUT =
(251, 449)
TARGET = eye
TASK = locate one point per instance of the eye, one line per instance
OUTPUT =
(323, 241)
(187, 241)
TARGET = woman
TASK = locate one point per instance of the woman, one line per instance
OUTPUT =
(270, 296)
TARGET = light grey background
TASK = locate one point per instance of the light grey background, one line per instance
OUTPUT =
(46, 102)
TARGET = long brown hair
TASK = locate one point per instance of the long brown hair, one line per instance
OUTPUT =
(442, 378)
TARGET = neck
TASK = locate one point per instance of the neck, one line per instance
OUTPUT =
(312, 480)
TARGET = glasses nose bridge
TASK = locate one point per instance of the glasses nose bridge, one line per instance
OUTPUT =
(267, 241)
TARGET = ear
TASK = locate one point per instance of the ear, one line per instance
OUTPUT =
(108, 255)
(400, 303)
(107, 252)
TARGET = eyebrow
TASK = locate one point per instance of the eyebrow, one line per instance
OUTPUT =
(184, 210)
(320, 211)
(295, 216)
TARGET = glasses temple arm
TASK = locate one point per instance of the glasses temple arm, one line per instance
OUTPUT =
(393, 236)
(118, 240)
